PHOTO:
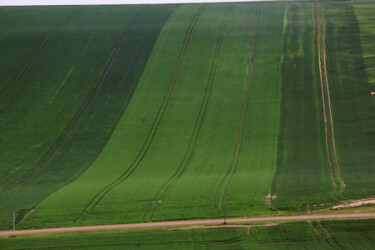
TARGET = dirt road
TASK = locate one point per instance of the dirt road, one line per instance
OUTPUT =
(194, 222)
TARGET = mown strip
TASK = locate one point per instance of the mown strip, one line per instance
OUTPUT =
(88, 131)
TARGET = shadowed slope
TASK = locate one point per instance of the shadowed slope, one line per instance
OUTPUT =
(88, 131)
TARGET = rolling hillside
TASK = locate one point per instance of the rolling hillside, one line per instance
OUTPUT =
(121, 114)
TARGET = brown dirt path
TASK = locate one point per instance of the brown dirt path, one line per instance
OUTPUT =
(334, 184)
(329, 105)
(194, 222)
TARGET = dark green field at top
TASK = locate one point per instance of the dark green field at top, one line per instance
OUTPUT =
(139, 113)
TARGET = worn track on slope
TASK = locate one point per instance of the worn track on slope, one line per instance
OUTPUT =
(330, 109)
(221, 191)
(334, 184)
(89, 208)
(153, 206)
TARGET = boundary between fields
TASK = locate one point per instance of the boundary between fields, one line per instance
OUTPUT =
(242, 121)
(153, 206)
(193, 222)
(89, 208)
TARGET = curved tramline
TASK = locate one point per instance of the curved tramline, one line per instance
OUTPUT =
(329, 105)
(160, 195)
(89, 208)
(221, 191)
(332, 141)
(334, 184)
(38, 51)
(82, 109)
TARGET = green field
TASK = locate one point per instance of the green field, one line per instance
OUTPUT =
(122, 114)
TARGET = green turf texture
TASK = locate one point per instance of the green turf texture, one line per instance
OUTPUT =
(303, 175)
(180, 200)
(297, 235)
(226, 111)
(34, 115)
(89, 129)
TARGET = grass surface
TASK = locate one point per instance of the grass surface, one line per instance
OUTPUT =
(303, 170)
(308, 235)
(215, 91)
(89, 129)
(308, 170)
(127, 114)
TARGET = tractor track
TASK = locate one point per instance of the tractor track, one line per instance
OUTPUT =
(354, 216)
(198, 123)
(242, 119)
(335, 180)
(46, 41)
(89, 208)
(334, 184)
(82, 109)
(329, 105)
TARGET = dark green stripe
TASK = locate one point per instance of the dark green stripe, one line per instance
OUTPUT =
(88, 132)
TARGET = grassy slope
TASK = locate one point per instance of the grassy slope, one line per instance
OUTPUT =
(351, 76)
(132, 128)
(176, 128)
(18, 44)
(211, 161)
(89, 130)
(303, 174)
(55, 72)
(304, 170)
(366, 20)
(257, 164)
(297, 235)
(164, 186)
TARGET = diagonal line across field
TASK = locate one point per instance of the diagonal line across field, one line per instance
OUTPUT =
(158, 118)
(37, 52)
(194, 222)
(242, 119)
(198, 123)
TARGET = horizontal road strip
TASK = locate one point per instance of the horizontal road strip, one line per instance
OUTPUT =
(194, 222)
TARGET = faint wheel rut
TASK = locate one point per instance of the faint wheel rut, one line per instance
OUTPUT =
(184, 164)
(221, 191)
(89, 208)
(321, 43)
